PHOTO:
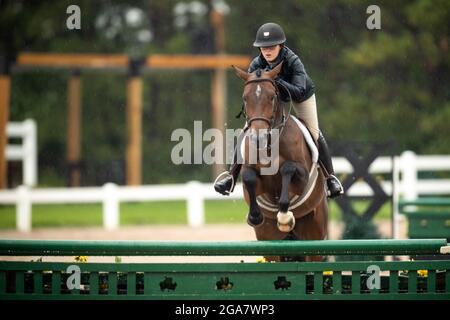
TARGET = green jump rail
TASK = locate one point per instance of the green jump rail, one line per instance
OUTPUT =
(334, 280)
(429, 202)
(230, 248)
(427, 217)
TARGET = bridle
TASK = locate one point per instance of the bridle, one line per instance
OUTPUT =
(270, 121)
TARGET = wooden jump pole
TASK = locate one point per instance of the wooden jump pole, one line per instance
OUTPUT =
(118, 61)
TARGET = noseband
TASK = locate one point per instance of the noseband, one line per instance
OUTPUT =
(270, 121)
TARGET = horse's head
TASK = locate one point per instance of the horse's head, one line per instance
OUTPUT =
(260, 97)
(261, 105)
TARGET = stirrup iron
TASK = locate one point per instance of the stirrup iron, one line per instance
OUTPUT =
(339, 182)
(226, 173)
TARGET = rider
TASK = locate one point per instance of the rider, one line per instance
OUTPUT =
(270, 40)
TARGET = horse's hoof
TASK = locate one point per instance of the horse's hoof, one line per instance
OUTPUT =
(255, 221)
(285, 227)
(285, 221)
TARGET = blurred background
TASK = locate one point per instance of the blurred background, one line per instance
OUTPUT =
(373, 87)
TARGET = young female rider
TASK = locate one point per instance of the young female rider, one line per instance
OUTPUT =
(270, 40)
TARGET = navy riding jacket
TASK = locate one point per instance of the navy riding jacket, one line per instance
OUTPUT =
(292, 77)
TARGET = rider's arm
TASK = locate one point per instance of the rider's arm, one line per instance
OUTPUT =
(297, 85)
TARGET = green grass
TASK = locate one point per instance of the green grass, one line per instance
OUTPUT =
(225, 211)
(140, 213)
(159, 212)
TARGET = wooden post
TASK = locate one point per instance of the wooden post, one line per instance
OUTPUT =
(5, 93)
(218, 113)
(134, 125)
(218, 89)
(74, 128)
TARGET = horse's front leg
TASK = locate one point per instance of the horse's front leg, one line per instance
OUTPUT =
(250, 179)
(285, 218)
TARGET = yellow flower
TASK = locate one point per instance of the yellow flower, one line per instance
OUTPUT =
(327, 273)
(422, 273)
(81, 259)
(261, 260)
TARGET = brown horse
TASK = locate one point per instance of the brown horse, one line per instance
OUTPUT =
(285, 204)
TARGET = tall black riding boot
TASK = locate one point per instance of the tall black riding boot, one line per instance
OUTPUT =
(226, 185)
(335, 188)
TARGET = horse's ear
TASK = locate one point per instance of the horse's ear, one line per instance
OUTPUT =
(241, 73)
(275, 71)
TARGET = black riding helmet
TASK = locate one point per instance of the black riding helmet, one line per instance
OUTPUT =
(269, 34)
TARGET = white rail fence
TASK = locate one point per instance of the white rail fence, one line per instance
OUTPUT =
(407, 184)
(26, 151)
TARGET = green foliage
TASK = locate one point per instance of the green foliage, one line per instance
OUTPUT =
(358, 228)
